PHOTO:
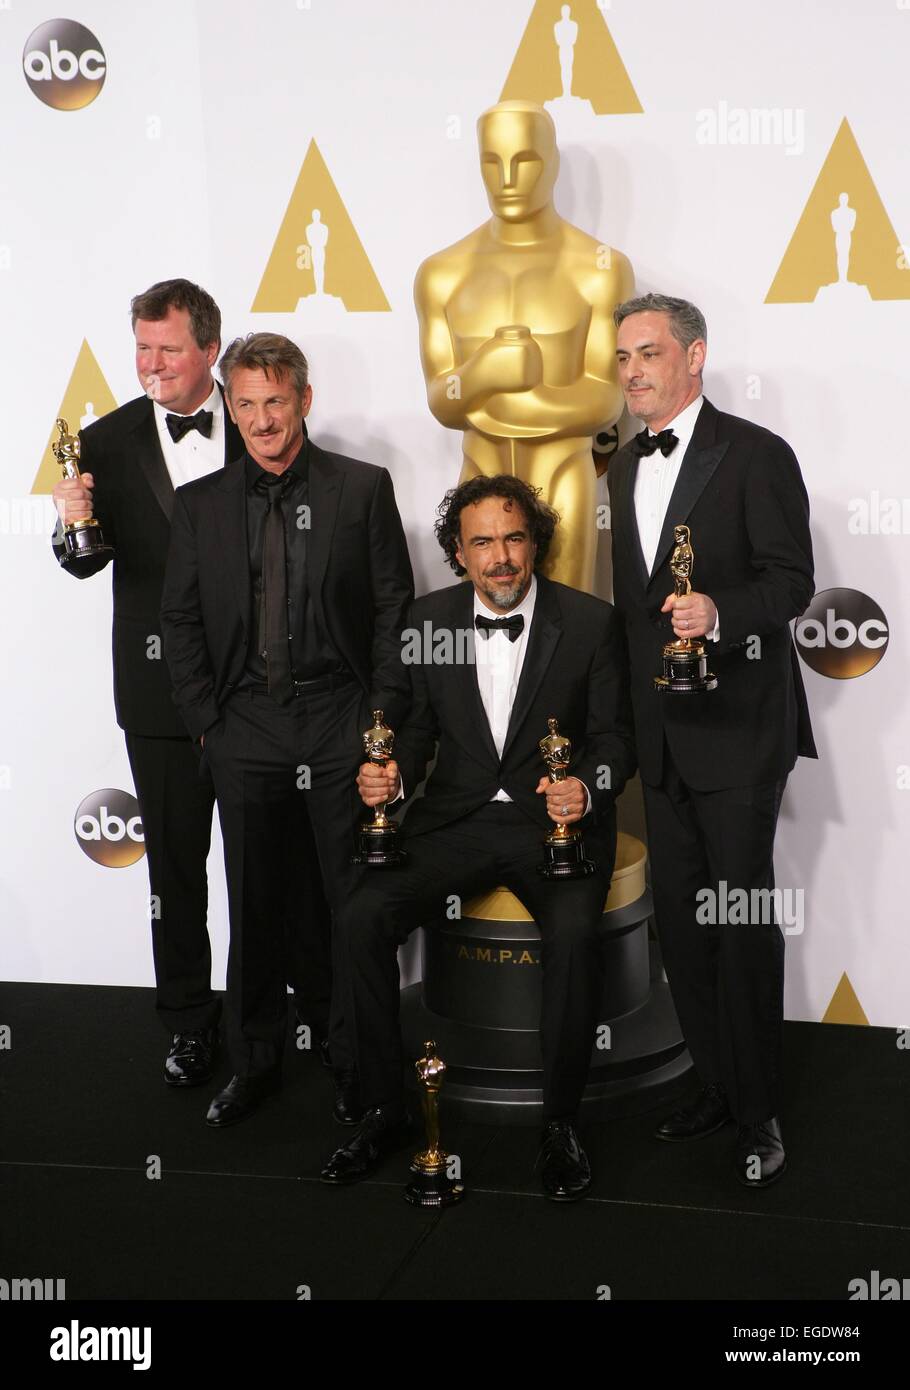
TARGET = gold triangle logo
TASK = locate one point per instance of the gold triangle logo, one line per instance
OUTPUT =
(844, 246)
(844, 1006)
(86, 398)
(567, 53)
(317, 250)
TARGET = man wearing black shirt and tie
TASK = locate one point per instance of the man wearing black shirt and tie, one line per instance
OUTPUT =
(285, 594)
(541, 651)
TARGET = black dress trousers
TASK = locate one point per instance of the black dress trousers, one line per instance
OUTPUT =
(726, 977)
(176, 805)
(497, 844)
(274, 766)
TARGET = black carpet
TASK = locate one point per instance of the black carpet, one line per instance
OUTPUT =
(240, 1214)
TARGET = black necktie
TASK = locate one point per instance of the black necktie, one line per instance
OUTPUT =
(274, 625)
(646, 443)
(513, 626)
(179, 425)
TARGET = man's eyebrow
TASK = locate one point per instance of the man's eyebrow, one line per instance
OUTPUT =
(639, 347)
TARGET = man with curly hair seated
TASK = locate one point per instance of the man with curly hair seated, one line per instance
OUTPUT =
(490, 662)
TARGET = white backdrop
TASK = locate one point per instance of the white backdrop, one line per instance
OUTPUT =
(184, 164)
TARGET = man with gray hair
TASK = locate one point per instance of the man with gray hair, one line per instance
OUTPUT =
(286, 589)
(713, 764)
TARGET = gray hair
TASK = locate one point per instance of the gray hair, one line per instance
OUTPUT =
(686, 322)
(271, 353)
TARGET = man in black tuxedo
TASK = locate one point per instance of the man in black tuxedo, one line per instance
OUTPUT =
(286, 588)
(535, 650)
(133, 459)
(713, 765)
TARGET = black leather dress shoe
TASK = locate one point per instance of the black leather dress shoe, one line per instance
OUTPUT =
(348, 1109)
(191, 1057)
(708, 1113)
(240, 1097)
(380, 1131)
(566, 1172)
(760, 1157)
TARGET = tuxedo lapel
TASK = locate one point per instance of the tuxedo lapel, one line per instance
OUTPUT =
(628, 521)
(233, 440)
(148, 454)
(702, 457)
(232, 542)
(543, 640)
(325, 486)
(465, 672)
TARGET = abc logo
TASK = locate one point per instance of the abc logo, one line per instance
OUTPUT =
(842, 634)
(108, 827)
(64, 64)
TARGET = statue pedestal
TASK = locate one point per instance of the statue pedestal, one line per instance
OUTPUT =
(843, 292)
(480, 1000)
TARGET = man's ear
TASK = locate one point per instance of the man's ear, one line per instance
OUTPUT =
(697, 354)
(211, 353)
(306, 402)
(227, 401)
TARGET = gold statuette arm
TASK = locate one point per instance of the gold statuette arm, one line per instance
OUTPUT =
(456, 389)
(590, 402)
(580, 408)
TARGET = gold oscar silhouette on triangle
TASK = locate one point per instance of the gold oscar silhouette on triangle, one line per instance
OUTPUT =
(567, 54)
(844, 1006)
(317, 251)
(844, 246)
(86, 398)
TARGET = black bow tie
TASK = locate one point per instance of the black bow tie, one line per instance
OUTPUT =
(179, 425)
(646, 443)
(513, 626)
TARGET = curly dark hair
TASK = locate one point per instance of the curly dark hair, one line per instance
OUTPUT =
(541, 519)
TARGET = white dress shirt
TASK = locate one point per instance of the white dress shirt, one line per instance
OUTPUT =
(195, 455)
(656, 479)
(498, 667)
(654, 483)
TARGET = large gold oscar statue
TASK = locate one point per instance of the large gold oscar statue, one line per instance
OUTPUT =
(516, 334)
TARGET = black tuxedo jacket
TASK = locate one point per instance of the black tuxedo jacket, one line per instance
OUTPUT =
(740, 491)
(358, 574)
(574, 670)
(134, 499)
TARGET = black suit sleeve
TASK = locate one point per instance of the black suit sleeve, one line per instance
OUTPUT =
(90, 461)
(777, 521)
(609, 746)
(183, 628)
(393, 591)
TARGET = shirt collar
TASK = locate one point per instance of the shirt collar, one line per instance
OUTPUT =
(684, 423)
(213, 402)
(298, 467)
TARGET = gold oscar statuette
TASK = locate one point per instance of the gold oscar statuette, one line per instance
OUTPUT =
(685, 662)
(564, 848)
(83, 536)
(378, 839)
(430, 1184)
(517, 340)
